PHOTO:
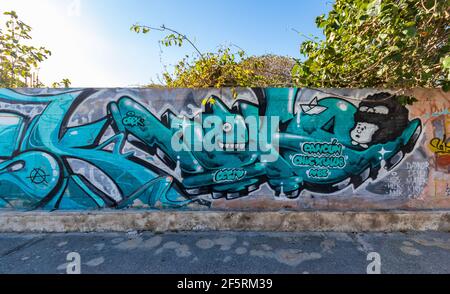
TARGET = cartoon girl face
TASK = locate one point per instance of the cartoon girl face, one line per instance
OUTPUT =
(362, 134)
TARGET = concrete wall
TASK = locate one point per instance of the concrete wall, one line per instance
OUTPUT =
(266, 149)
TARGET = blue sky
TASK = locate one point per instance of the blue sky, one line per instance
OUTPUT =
(93, 46)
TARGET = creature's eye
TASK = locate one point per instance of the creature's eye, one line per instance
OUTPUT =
(16, 166)
(363, 108)
(227, 127)
(381, 109)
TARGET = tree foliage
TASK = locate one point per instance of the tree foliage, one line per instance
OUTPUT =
(226, 68)
(17, 60)
(275, 70)
(64, 83)
(223, 68)
(379, 43)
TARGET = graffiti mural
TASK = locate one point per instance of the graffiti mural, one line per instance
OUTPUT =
(133, 154)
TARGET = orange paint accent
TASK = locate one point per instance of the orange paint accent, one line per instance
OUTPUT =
(443, 160)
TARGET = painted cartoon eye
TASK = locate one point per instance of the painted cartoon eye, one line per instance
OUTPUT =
(227, 127)
(16, 166)
(381, 109)
(363, 108)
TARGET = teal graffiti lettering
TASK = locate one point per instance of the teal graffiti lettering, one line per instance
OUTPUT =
(133, 120)
(229, 175)
(319, 161)
(318, 173)
(319, 148)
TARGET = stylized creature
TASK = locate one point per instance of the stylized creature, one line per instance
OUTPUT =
(379, 119)
(206, 148)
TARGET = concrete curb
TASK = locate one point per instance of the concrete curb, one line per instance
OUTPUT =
(160, 221)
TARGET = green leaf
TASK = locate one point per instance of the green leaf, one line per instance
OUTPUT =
(394, 48)
(17, 59)
(446, 86)
(446, 62)
(410, 32)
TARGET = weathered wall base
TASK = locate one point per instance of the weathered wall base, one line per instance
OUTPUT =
(160, 221)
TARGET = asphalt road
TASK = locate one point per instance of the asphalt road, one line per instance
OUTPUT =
(225, 253)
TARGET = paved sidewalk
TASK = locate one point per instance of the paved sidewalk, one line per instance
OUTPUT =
(220, 252)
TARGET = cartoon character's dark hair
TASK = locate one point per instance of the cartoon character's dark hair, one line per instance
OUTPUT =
(390, 125)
